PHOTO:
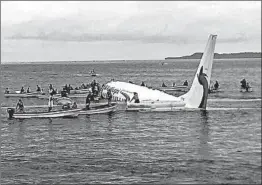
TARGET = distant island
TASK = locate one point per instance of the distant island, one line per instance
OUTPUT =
(198, 55)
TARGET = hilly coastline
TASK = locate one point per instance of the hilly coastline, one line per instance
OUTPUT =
(198, 55)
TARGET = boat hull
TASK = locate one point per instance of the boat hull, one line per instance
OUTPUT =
(71, 113)
(180, 88)
(246, 91)
(102, 109)
(52, 114)
(24, 95)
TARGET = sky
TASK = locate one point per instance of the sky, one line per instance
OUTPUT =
(125, 30)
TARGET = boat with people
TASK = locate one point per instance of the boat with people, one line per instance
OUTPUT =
(245, 86)
(69, 113)
(93, 73)
(176, 88)
(246, 90)
(153, 99)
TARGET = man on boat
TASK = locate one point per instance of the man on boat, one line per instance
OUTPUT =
(109, 96)
(247, 87)
(28, 90)
(22, 90)
(74, 106)
(20, 106)
(143, 84)
(174, 84)
(243, 83)
(135, 97)
(88, 100)
(185, 83)
(50, 102)
(216, 85)
(164, 85)
(38, 89)
(7, 91)
(51, 89)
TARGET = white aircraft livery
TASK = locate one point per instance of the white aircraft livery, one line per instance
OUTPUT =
(152, 99)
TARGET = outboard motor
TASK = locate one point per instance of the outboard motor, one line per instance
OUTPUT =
(11, 112)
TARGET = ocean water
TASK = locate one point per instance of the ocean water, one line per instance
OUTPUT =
(221, 145)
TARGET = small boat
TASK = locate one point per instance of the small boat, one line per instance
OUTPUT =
(93, 73)
(179, 88)
(51, 114)
(79, 91)
(212, 90)
(69, 113)
(24, 95)
(246, 90)
(105, 108)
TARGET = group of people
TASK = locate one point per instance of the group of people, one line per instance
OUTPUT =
(245, 85)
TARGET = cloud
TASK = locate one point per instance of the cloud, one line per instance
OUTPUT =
(184, 26)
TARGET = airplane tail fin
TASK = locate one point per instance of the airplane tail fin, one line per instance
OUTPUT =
(196, 97)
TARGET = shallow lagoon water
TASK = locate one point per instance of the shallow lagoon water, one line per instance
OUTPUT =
(216, 146)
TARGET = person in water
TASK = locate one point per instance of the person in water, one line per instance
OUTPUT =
(20, 106)
(22, 90)
(135, 97)
(216, 85)
(88, 100)
(7, 91)
(143, 84)
(109, 96)
(38, 89)
(28, 90)
(185, 83)
(164, 85)
(243, 83)
(50, 102)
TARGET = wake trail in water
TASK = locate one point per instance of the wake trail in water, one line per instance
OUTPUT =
(234, 100)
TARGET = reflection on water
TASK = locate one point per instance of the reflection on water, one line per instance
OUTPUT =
(204, 149)
(110, 120)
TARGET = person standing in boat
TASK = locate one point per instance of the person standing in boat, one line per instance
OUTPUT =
(74, 106)
(50, 102)
(164, 85)
(28, 90)
(247, 87)
(135, 97)
(109, 96)
(38, 89)
(50, 89)
(216, 85)
(20, 106)
(22, 90)
(174, 84)
(7, 91)
(243, 83)
(185, 83)
(88, 100)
